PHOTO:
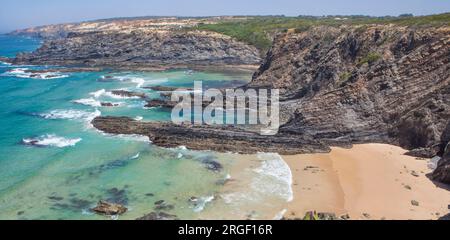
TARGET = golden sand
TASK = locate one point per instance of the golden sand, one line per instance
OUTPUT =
(370, 181)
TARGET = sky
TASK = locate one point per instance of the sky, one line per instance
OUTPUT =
(17, 14)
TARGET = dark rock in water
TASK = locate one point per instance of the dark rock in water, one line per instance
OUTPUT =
(193, 199)
(129, 94)
(150, 195)
(55, 198)
(108, 104)
(161, 103)
(163, 205)
(215, 138)
(158, 216)
(109, 209)
(118, 196)
(74, 205)
(106, 79)
(212, 165)
(20, 213)
(78, 204)
(166, 89)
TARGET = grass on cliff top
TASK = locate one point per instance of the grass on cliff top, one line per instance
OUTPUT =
(257, 31)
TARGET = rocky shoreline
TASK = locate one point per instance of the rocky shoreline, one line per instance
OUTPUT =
(339, 85)
(221, 139)
(376, 85)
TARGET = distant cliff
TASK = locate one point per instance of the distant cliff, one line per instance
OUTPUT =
(138, 43)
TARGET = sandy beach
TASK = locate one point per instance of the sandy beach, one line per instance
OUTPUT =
(370, 181)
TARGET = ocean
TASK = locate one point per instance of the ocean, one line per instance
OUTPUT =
(55, 165)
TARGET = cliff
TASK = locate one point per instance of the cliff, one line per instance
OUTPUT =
(339, 86)
(136, 43)
(372, 83)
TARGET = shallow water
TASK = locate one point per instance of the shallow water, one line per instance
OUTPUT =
(55, 165)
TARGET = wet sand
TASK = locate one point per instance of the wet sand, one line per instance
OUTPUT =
(370, 181)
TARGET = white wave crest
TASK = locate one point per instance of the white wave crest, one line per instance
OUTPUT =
(70, 114)
(89, 102)
(98, 93)
(131, 137)
(51, 140)
(139, 82)
(202, 202)
(279, 173)
(22, 73)
(94, 103)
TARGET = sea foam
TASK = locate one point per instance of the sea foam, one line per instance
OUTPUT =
(89, 102)
(22, 73)
(51, 140)
(71, 114)
(275, 168)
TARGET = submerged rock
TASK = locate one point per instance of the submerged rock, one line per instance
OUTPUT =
(109, 209)
(161, 103)
(163, 205)
(158, 216)
(212, 165)
(108, 104)
(124, 93)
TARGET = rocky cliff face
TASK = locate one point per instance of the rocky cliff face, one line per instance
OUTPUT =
(442, 172)
(380, 83)
(142, 48)
(126, 43)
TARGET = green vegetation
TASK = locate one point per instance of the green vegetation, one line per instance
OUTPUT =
(345, 76)
(257, 31)
(370, 58)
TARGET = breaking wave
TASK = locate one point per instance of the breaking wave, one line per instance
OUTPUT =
(202, 202)
(277, 170)
(22, 73)
(89, 102)
(70, 114)
(51, 140)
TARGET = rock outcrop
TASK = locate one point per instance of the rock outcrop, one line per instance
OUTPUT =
(442, 172)
(339, 85)
(380, 83)
(152, 43)
(109, 209)
(216, 138)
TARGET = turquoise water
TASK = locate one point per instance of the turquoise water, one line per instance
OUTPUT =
(74, 165)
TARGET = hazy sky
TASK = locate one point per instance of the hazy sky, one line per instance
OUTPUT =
(16, 14)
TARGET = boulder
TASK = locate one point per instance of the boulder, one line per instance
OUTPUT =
(109, 209)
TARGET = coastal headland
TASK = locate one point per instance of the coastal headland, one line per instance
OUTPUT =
(369, 82)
